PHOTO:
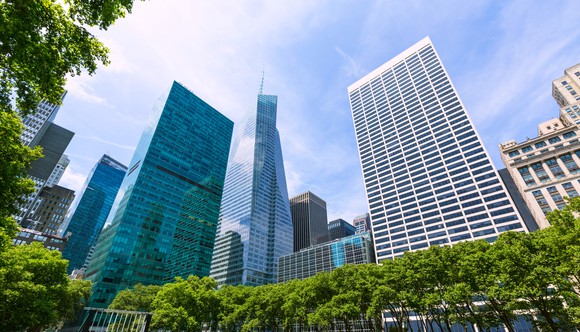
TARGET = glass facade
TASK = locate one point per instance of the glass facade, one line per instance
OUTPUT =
(91, 211)
(255, 226)
(340, 228)
(355, 249)
(428, 179)
(164, 224)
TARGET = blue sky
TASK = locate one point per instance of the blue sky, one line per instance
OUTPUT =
(501, 55)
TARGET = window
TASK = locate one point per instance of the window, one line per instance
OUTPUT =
(527, 176)
(569, 189)
(570, 163)
(541, 200)
(555, 168)
(540, 172)
(556, 197)
(569, 134)
(554, 140)
(514, 153)
(564, 82)
(527, 149)
(540, 144)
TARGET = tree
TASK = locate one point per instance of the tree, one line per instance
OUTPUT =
(139, 298)
(35, 289)
(41, 43)
(14, 184)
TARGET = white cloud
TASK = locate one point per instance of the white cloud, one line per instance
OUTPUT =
(104, 141)
(80, 87)
(73, 178)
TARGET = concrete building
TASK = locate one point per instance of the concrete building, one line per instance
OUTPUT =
(566, 89)
(428, 178)
(325, 257)
(54, 204)
(309, 220)
(339, 228)
(362, 223)
(546, 168)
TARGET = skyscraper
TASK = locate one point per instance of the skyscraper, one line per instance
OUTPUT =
(339, 228)
(309, 220)
(428, 178)
(90, 213)
(255, 226)
(566, 89)
(164, 225)
(36, 124)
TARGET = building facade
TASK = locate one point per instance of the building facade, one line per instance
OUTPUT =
(309, 220)
(54, 204)
(49, 241)
(88, 217)
(255, 225)
(428, 178)
(339, 228)
(566, 89)
(36, 124)
(362, 223)
(546, 168)
(164, 224)
(325, 257)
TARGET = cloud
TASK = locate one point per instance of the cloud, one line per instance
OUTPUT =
(352, 67)
(73, 178)
(80, 87)
(98, 139)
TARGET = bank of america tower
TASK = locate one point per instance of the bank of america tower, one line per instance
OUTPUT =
(428, 178)
(255, 225)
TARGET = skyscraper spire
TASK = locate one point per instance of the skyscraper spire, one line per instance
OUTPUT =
(262, 83)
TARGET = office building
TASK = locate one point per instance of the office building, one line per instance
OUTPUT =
(165, 222)
(428, 178)
(325, 257)
(36, 123)
(54, 141)
(58, 171)
(54, 203)
(255, 225)
(339, 228)
(566, 89)
(309, 220)
(545, 168)
(91, 211)
(49, 241)
(362, 223)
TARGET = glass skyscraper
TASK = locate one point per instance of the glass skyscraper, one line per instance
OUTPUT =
(428, 178)
(255, 226)
(88, 217)
(164, 225)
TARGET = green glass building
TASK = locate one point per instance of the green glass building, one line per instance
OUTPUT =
(164, 225)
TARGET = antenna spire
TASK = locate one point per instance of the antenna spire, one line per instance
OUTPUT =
(262, 83)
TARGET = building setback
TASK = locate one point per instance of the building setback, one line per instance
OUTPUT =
(164, 224)
(90, 213)
(339, 228)
(428, 178)
(325, 257)
(255, 225)
(545, 168)
(309, 220)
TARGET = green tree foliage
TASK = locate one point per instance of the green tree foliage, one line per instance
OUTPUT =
(471, 284)
(41, 43)
(139, 298)
(35, 289)
(14, 160)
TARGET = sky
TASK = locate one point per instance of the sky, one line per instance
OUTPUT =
(501, 56)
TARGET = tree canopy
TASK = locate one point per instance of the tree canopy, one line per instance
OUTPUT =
(530, 276)
(41, 43)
